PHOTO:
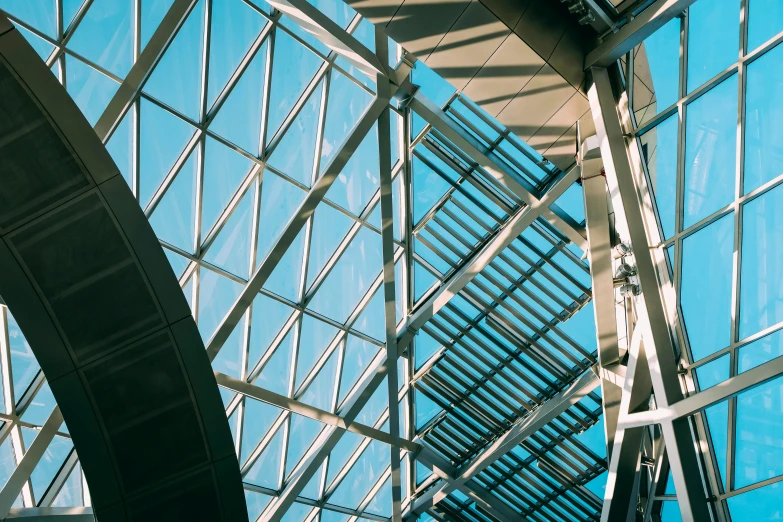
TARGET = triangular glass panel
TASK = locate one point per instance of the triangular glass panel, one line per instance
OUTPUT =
(177, 262)
(428, 188)
(72, 492)
(216, 295)
(256, 503)
(226, 396)
(313, 488)
(231, 248)
(329, 228)
(422, 472)
(152, 13)
(375, 217)
(70, 8)
(304, 35)
(351, 276)
(341, 453)
(229, 358)
(277, 371)
(374, 408)
(360, 177)
(363, 476)
(224, 171)
(346, 104)
(105, 35)
(372, 321)
(425, 409)
(50, 464)
(358, 356)
(265, 471)
(320, 392)
(334, 516)
(162, 139)
(258, 418)
(294, 154)
(314, 339)
(297, 513)
(42, 15)
(176, 80)
(239, 118)
(41, 46)
(279, 201)
(174, 218)
(381, 503)
(40, 407)
(24, 365)
(301, 436)
(268, 317)
(293, 67)
(91, 90)
(425, 346)
(235, 26)
(286, 279)
(423, 280)
(120, 146)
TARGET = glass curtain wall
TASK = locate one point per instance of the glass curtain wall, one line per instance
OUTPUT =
(705, 100)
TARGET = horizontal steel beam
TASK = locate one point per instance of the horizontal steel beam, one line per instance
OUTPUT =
(305, 410)
(634, 32)
(51, 514)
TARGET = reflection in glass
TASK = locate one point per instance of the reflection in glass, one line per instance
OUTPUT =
(705, 295)
(659, 149)
(713, 39)
(764, 22)
(710, 152)
(761, 296)
(759, 425)
(757, 504)
(763, 114)
(760, 351)
(656, 67)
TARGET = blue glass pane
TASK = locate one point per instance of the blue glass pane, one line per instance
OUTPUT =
(224, 171)
(300, 438)
(594, 438)
(313, 488)
(24, 365)
(761, 300)
(276, 375)
(348, 444)
(573, 202)
(381, 504)
(313, 341)
(759, 425)
(279, 200)
(258, 418)
(657, 72)
(268, 317)
(90, 89)
(718, 422)
(163, 136)
(256, 503)
(41, 14)
(423, 280)
(239, 119)
(320, 392)
(176, 80)
(710, 152)
(581, 328)
(426, 409)
(229, 359)
(174, 218)
(40, 407)
(72, 493)
(360, 177)
(50, 464)
(152, 12)
(705, 295)
(659, 150)
(234, 26)
(231, 248)
(293, 66)
(286, 278)
(598, 485)
(329, 228)
(120, 146)
(670, 512)
(297, 513)
(428, 188)
(372, 320)
(760, 351)
(105, 35)
(216, 295)
(757, 504)
(358, 356)
(713, 39)
(432, 85)
(363, 475)
(347, 102)
(713, 372)
(764, 22)
(351, 277)
(41, 46)
(295, 154)
(763, 110)
(375, 407)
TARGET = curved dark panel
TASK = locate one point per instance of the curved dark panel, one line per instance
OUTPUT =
(92, 290)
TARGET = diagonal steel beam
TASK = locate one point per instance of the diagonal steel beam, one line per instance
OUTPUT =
(513, 227)
(141, 70)
(550, 410)
(634, 32)
(312, 20)
(660, 351)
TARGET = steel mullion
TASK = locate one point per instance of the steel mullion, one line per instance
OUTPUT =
(64, 34)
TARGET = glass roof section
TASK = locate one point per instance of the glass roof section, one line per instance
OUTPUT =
(235, 128)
